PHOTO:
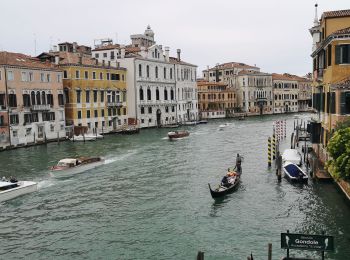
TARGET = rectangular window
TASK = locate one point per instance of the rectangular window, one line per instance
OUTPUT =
(115, 76)
(102, 93)
(86, 74)
(14, 119)
(112, 55)
(59, 78)
(42, 77)
(101, 76)
(24, 76)
(95, 113)
(342, 54)
(12, 100)
(97, 55)
(105, 55)
(107, 76)
(60, 100)
(79, 114)
(88, 113)
(77, 74)
(329, 56)
(149, 110)
(48, 78)
(95, 96)
(65, 74)
(10, 75)
(31, 76)
(102, 112)
(94, 75)
(78, 96)
(87, 96)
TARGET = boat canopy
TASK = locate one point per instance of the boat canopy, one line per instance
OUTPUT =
(4, 184)
(67, 161)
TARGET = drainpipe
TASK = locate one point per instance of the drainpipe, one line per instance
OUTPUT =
(8, 105)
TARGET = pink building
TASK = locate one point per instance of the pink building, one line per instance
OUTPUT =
(31, 100)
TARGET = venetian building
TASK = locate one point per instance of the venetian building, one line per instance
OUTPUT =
(331, 73)
(215, 100)
(31, 101)
(95, 93)
(254, 94)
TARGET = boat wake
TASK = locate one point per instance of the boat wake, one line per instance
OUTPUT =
(118, 158)
(45, 184)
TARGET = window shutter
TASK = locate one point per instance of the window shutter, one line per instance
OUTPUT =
(342, 103)
(337, 54)
(333, 102)
(328, 102)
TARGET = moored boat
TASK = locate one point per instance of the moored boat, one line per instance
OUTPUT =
(190, 123)
(70, 166)
(10, 189)
(178, 134)
(294, 173)
(291, 155)
(82, 138)
(203, 122)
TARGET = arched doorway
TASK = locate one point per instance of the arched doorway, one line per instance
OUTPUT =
(159, 114)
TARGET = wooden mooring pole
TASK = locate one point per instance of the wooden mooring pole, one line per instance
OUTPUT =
(200, 255)
(269, 251)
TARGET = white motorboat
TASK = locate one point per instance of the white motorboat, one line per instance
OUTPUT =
(81, 138)
(10, 190)
(190, 123)
(293, 173)
(70, 166)
(221, 127)
(291, 155)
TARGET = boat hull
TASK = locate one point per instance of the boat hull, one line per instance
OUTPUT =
(175, 135)
(24, 187)
(75, 170)
(232, 188)
(294, 173)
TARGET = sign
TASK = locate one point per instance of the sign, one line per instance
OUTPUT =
(307, 242)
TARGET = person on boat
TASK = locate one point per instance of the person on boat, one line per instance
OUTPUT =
(238, 163)
(224, 181)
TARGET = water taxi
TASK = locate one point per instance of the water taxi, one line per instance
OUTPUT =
(12, 189)
(178, 134)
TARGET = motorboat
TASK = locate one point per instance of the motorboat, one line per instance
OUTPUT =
(83, 138)
(70, 166)
(178, 134)
(291, 155)
(12, 189)
(232, 181)
(170, 126)
(294, 173)
(221, 127)
(190, 123)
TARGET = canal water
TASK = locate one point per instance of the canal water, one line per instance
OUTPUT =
(151, 200)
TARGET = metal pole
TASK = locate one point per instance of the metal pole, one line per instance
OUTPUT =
(288, 248)
(269, 251)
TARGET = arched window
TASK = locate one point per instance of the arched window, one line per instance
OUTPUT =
(43, 98)
(275, 85)
(140, 70)
(164, 73)
(147, 71)
(32, 97)
(157, 94)
(165, 94)
(141, 93)
(156, 72)
(172, 94)
(171, 73)
(38, 102)
(149, 94)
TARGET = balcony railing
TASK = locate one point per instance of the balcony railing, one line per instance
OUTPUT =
(40, 107)
(114, 104)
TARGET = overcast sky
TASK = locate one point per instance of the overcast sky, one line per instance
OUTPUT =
(273, 34)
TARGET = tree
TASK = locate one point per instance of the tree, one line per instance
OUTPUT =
(339, 149)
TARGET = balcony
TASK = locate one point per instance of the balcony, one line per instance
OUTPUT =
(114, 104)
(40, 107)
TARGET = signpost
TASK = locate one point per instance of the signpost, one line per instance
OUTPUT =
(307, 242)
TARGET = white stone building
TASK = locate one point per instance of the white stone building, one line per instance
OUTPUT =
(161, 90)
(254, 94)
(286, 93)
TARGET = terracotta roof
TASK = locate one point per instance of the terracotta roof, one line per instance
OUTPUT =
(250, 72)
(22, 60)
(338, 13)
(175, 61)
(107, 47)
(286, 76)
(229, 65)
(342, 31)
(207, 83)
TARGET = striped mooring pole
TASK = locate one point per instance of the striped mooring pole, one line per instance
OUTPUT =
(273, 146)
(269, 152)
(285, 128)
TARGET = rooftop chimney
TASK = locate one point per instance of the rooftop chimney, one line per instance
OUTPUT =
(166, 54)
(75, 45)
(178, 54)
(122, 51)
(57, 60)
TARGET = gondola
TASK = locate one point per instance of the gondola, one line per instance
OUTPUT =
(223, 190)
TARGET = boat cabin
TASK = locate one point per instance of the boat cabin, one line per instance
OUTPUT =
(67, 163)
(6, 185)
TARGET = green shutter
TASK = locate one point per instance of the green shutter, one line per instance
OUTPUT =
(342, 103)
(337, 54)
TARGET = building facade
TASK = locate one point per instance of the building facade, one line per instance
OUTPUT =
(31, 101)
(254, 93)
(161, 89)
(331, 72)
(215, 100)
(305, 94)
(286, 93)
(95, 93)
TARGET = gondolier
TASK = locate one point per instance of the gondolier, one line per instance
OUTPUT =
(238, 163)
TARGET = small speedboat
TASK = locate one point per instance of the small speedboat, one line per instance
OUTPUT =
(170, 126)
(178, 134)
(291, 155)
(82, 138)
(70, 166)
(190, 123)
(12, 189)
(294, 174)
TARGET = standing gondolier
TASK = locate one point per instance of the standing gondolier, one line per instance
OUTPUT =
(239, 163)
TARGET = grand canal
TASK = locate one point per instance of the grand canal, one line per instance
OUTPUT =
(151, 199)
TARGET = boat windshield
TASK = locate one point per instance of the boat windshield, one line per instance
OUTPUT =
(62, 164)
